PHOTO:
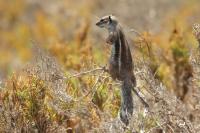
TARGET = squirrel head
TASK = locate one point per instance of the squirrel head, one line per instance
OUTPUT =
(109, 22)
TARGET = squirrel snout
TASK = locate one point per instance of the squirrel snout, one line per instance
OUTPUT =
(97, 23)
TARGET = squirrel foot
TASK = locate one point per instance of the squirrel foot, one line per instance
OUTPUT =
(105, 69)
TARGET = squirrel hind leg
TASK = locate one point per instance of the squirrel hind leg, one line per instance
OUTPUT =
(133, 80)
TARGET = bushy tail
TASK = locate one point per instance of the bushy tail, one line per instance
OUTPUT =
(126, 101)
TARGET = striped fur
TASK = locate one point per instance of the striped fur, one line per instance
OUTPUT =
(121, 65)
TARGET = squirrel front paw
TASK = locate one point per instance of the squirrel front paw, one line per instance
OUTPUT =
(111, 38)
(109, 41)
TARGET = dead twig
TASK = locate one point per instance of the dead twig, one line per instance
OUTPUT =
(87, 72)
(141, 98)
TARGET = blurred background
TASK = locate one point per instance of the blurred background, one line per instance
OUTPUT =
(58, 23)
(66, 29)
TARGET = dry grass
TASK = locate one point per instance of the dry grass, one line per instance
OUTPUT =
(65, 87)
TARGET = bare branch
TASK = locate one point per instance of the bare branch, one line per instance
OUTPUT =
(104, 69)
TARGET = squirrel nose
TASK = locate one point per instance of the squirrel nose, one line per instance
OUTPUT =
(97, 24)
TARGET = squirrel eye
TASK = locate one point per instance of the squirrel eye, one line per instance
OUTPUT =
(101, 20)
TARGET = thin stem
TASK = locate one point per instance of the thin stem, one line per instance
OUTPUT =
(87, 72)
(92, 89)
(143, 39)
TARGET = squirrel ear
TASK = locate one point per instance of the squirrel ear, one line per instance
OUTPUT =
(110, 19)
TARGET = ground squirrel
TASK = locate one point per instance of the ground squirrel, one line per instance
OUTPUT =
(121, 64)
